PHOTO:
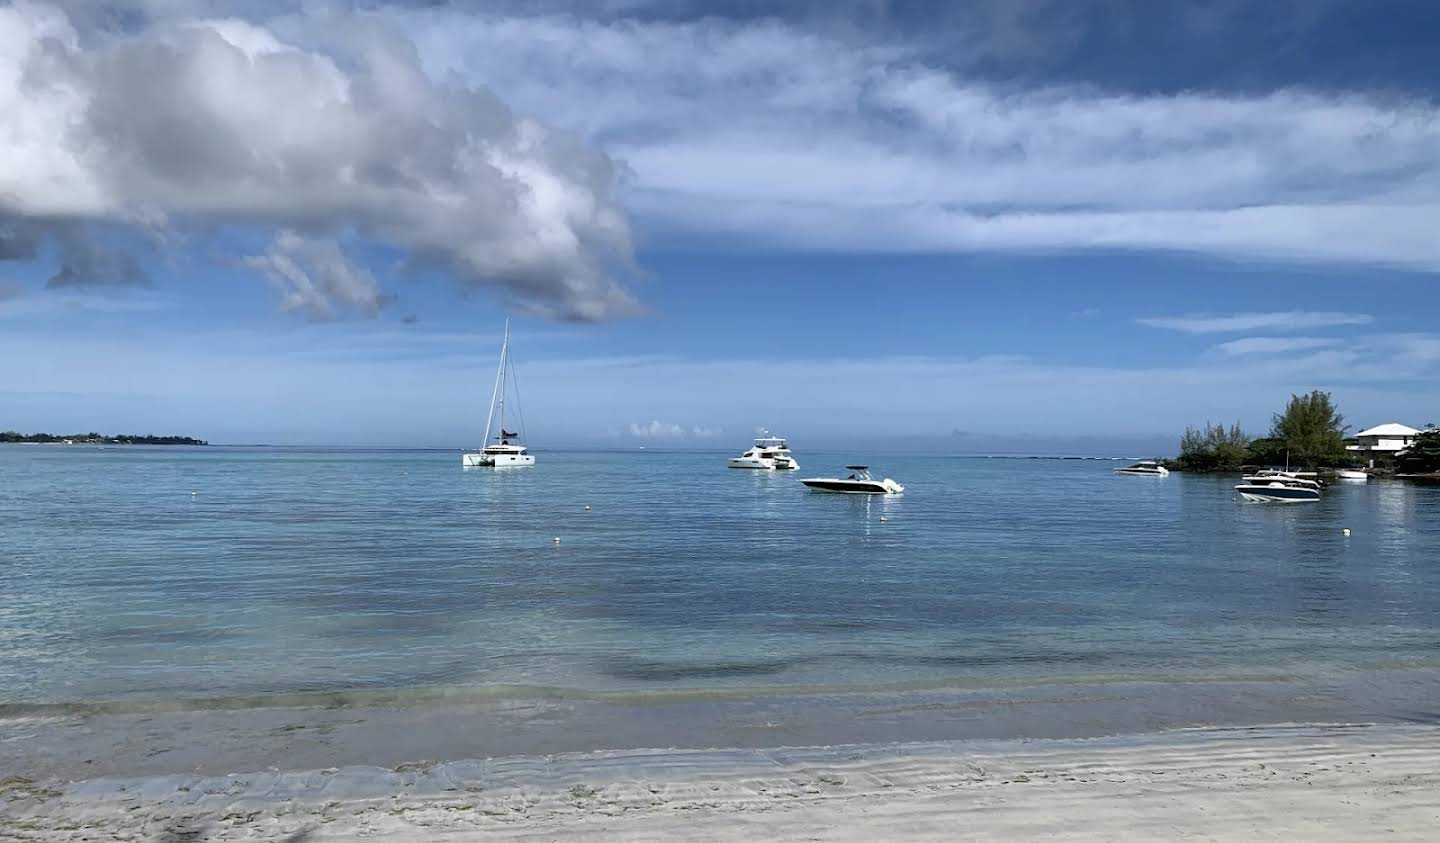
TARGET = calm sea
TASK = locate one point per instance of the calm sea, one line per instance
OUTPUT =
(134, 574)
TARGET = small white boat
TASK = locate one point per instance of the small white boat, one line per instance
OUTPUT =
(1350, 474)
(507, 451)
(858, 483)
(1275, 486)
(1147, 468)
(769, 453)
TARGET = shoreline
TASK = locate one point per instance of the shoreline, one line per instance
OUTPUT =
(393, 728)
(1301, 781)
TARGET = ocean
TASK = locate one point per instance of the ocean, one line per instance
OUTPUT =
(255, 577)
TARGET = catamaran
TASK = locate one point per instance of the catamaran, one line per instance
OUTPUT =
(769, 453)
(507, 450)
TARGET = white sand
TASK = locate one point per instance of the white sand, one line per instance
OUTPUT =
(1291, 783)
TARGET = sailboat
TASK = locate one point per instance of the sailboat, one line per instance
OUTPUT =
(507, 450)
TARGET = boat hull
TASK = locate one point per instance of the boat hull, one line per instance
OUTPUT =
(853, 487)
(496, 460)
(1143, 473)
(1278, 494)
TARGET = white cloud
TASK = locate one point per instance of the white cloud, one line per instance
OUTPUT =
(1411, 349)
(1274, 345)
(656, 429)
(314, 277)
(323, 123)
(778, 134)
(1286, 320)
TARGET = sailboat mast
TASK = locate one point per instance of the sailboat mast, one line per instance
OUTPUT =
(496, 392)
(504, 351)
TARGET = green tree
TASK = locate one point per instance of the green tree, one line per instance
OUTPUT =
(1266, 451)
(1423, 457)
(1312, 430)
(1213, 448)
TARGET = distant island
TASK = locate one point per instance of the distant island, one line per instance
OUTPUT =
(96, 439)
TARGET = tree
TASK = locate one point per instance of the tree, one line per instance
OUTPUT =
(1423, 457)
(1213, 448)
(1266, 451)
(1312, 430)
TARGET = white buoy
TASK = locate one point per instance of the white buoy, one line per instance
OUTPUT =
(193, 494)
(882, 518)
(587, 507)
(1347, 531)
(557, 539)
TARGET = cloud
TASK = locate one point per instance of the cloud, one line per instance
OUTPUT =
(63, 303)
(1273, 345)
(657, 430)
(1288, 320)
(770, 133)
(1407, 349)
(314, 277)
(19, 240)
(669, 430)
(85, 262)
(314, 124)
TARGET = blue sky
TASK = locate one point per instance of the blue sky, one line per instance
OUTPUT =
(1036, 226)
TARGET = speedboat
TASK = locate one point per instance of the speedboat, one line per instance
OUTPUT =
(1352, 474)
(507, 450)
(1275, 486)
(858, 483)
(767, 454)
(1149, 468)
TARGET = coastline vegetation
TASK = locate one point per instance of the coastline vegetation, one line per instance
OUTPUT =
(1310, 432)
(96, 439)
(1423, 457)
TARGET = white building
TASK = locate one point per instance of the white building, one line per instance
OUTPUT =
(1386, 439)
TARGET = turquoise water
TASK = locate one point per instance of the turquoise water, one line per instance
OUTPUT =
(293, 571)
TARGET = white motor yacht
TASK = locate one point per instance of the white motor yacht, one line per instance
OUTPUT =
(1352, 475)
(1272, 485)
(858, 483)
(769, 453)
(507, 450)
(1148, 468)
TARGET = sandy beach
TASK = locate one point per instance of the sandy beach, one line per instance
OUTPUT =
(1280, 782)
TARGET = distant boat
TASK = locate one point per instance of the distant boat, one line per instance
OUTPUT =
(507, 450)
(1352, 475)
(769, 453)
(858, 483)
(1148, 468)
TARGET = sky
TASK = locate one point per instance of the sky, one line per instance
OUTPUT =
(1036, 226)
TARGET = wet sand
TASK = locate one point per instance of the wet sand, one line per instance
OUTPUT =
(388, 729)
(1289, 782)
